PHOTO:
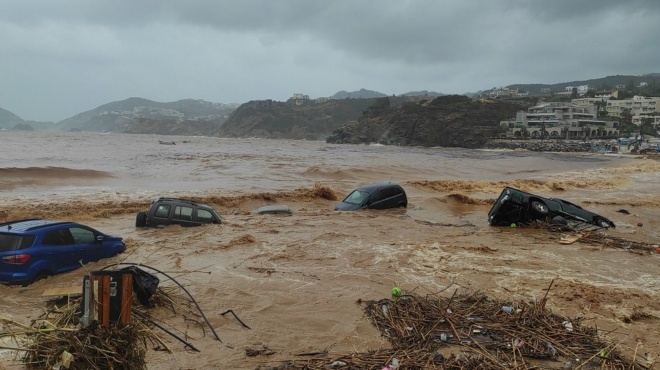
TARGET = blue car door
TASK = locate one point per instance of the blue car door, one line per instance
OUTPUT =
(57, 250)
(85, 246)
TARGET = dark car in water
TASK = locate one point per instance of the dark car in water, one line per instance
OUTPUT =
(175, 211)
(375, 196)
(515, 206)
(34, 249)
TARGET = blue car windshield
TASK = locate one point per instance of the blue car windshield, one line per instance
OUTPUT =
(11, 242)
(356, 197)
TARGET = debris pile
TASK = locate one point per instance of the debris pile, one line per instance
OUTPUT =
(473, 331)
(589, 234)
(57, 341)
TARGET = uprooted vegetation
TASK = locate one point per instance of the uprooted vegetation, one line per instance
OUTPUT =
(55, 340)
(474, 331)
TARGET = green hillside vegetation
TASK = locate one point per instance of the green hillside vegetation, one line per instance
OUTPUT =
(631, 84)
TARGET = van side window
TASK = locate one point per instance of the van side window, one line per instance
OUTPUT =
(183, 213)
(162, 211)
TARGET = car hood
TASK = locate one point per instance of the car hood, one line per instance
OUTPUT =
(343, 206)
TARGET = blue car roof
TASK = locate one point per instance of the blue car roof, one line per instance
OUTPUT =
(24, 226)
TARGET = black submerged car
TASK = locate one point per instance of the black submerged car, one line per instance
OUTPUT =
(375, 196)
(175, 211)
(515, 206)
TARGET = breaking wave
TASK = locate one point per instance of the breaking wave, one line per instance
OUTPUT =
(93, 208)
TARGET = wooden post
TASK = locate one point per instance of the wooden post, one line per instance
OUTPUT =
(113, 292)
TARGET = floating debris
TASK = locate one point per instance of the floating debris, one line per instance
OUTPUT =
(472, 331)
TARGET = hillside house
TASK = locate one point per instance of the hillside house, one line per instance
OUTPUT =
(505, 92)
(581, 90)
(300, 99)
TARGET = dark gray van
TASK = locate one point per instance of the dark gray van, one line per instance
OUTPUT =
(375, 196)
(175, 211)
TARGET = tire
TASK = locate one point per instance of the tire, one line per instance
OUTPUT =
(141, 219)
(539, 207)
(42, 275)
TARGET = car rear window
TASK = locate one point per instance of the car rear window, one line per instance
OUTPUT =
(10, 242)
(205, 215)
(162, 211)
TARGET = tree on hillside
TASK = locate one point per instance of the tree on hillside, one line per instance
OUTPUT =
(600, 108)
(626, 116)
(557, 98)
(378, 107)
(574, 93)
(646, 127)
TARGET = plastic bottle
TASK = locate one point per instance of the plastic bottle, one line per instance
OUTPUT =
(507, 309)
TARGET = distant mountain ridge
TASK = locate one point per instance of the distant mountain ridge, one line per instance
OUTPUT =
(360, 94)
(118, 116)
(199, 117)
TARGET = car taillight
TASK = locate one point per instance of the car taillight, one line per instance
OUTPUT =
(17, 258)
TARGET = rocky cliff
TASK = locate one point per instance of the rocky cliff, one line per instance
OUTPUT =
(448, 121)
(304, 119)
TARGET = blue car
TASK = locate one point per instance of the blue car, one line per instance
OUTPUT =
(34, 249)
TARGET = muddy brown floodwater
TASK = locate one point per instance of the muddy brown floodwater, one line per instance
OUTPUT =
(296, 280)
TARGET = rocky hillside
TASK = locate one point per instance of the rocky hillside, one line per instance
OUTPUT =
(136, 115)
(448, 121)
(302, 119)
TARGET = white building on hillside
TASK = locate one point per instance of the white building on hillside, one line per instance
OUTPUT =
(638, 105)
(582, 89)
(560, 121)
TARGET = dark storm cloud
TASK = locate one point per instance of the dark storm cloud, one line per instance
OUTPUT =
(253, 49)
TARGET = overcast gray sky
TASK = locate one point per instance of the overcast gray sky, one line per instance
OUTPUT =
(62, 57)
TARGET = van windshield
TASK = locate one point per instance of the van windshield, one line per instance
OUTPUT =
(356, 197)
(11, 242)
